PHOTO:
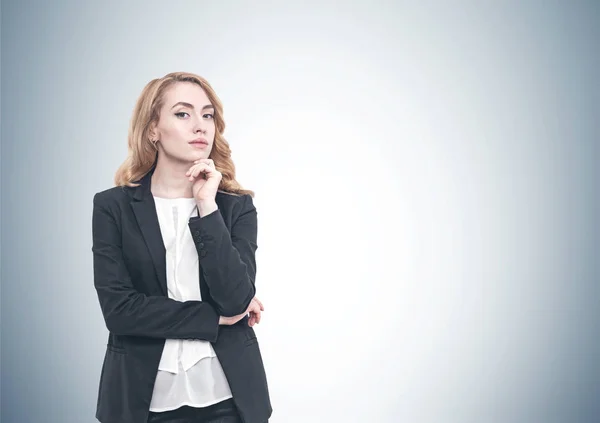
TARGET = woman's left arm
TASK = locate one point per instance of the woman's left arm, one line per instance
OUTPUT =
(227, 259)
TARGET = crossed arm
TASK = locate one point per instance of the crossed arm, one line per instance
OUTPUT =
(229, 269)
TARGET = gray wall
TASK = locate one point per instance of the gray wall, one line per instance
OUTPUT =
(426, 185)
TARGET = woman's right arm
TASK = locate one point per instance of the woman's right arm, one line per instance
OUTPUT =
(129, 312)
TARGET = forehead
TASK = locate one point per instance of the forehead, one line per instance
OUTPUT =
(187, 92)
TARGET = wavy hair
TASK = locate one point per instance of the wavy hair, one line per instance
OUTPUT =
(142, 153)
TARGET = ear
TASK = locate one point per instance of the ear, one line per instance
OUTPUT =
(153, 132)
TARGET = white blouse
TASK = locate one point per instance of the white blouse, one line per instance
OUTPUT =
(189, 372)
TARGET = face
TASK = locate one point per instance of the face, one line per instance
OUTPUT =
(186, 126)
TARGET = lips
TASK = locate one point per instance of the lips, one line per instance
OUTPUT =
(200, 141)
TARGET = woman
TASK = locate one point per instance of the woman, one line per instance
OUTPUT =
(174, 247)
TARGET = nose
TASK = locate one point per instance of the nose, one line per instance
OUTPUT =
(199, 126)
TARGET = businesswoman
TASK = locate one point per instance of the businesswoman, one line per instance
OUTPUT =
(174, 247)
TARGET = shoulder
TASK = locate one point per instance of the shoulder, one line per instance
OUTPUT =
(111, 197)
(235, 203)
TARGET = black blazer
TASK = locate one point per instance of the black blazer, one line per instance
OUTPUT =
(130, 280)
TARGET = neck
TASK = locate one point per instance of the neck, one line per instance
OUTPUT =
(169, 179)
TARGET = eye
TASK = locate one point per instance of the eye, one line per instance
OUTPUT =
(181, 114)
(210, 116)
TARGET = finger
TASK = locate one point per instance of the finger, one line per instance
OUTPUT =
(252, 307)
(255, 316)
(191, 170)
(207, 169)
(259, 303)
(258, 317)
(209, 162)
(200, 168)
(255, 307)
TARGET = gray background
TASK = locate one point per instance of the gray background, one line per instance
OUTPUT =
(426, 178)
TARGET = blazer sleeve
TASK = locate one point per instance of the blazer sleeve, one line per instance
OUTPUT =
(227, 259)
(126, 311)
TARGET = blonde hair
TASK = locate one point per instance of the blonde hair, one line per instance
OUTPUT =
(142, 153)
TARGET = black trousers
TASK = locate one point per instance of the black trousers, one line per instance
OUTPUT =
(222, 412)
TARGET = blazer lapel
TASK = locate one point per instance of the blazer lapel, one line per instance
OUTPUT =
(145, 213)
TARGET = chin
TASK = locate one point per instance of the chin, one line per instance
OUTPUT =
(200, 155)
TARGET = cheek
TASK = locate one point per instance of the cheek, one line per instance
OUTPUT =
(174, 132)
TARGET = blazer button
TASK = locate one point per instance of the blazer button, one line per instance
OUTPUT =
(202, 253)
(201, 245)
(197, 232)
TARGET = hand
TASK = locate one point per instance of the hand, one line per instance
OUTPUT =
(255, 317)
(255, 308)
(206, 180)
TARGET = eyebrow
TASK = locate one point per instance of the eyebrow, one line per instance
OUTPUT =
(182, 103)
